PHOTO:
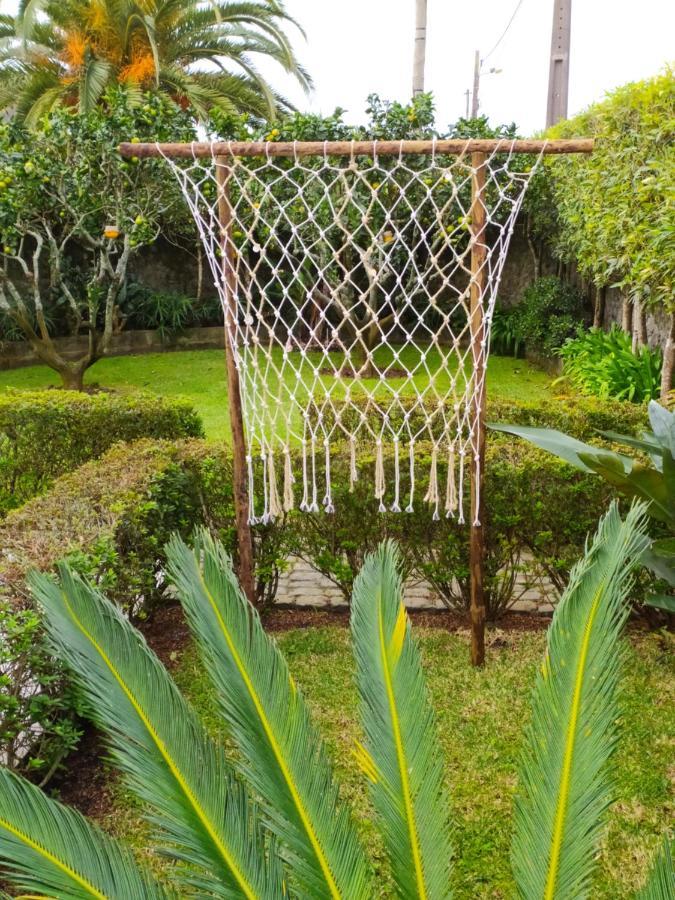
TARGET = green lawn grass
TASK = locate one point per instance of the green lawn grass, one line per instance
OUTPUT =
(199, 375)
(480, 713)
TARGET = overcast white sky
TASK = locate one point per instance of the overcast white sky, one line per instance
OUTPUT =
(354, 47)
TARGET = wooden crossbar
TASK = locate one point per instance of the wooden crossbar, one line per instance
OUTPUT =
(200, 150)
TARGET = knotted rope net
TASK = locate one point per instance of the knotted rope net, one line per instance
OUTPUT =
(358, 293)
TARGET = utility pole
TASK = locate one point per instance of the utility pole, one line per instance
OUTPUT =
(467, 94)
(420, 51)
(476, 85)
(559, 71)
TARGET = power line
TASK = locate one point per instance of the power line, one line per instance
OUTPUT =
(505, 32)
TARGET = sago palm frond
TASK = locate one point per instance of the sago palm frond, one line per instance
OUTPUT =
(281, 753)
(201, 811)
(51, 850)
(565, 782)
(401, 757)
(661, 879)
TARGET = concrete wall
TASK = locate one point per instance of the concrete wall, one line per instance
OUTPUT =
(128, 343)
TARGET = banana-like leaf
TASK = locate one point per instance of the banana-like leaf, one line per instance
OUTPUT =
(661, 880)
(282, 755)
(560, 444)
(202, 812)
(565, 786)
(50, 850)
(401, 756)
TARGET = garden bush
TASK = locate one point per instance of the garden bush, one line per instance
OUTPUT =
(604, 364)
(44, 434)
(522, 487)
(582, 417)
(548, 313)
(110, 519)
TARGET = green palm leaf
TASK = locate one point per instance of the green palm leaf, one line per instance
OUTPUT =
(565, 785)
(661, 881)
(95, 75)
(281, 753)
(201, 811)
(401, 755)
(53, 850)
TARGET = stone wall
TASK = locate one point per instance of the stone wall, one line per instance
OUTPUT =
(128, 343)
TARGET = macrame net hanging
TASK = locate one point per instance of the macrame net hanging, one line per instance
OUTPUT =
(347, 283)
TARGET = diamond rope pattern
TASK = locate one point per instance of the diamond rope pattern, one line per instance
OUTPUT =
(346, 284)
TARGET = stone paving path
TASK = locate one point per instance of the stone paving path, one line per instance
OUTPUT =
(301, 585)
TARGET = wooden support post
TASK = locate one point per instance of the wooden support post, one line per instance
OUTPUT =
(479, 354)
(239, 469)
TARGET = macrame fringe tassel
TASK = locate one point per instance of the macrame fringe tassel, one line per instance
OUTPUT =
(328, 497)
(396, 506)
(379, 476)
(451, 488)
(411, 459)
(460, 517)
(275, 503)
(431, 497)
(304, 503)
(251, 508)
(266, 496)
(314, 505)
(353, 471)
(289, 481)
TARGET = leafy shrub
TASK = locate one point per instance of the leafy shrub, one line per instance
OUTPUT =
(582, 417)
(36, 705)
(211, 471)
(505, 338)
(522, 485)
(549, 312)
(165, 312)
(110, 519)
(603, 364)
(46, 433)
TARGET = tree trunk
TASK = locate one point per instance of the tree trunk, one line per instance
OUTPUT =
(627, 315)
(599, 306)
(420, 52)
(72, 380)
(668, 363)
(640, 323)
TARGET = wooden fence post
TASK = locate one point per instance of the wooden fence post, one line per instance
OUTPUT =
(479, 351)
(239, 468)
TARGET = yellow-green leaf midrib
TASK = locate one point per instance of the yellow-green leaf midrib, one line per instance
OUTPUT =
(568, 757)
(64, 867)
(401, 757)
(168, 759)
(276, 749)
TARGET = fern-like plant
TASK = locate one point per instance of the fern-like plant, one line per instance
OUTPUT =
(269, 823)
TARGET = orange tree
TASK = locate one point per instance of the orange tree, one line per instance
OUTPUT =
(72, 215)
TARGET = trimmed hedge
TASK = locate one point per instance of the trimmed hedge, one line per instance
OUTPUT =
(44, 434)
(527, 537)
(582, 417)
(110, 519)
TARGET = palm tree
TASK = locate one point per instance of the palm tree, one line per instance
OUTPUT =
(271, 823)
(202, 53)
